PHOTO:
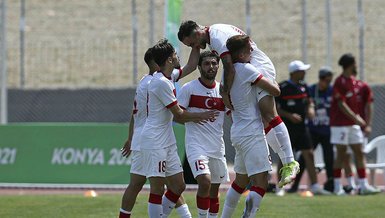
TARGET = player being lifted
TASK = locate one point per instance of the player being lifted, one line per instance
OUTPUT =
(216, 36)
(252, 161)
(157, 141)
(205, 147)
(138, 119)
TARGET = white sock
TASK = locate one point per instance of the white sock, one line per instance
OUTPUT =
(125, 211)
(279, 140)
(213, 215)
(253, 201)
(363, 182)
(337, 184)
(167, 206)
(183, 211)
(315, 187)
(203, 213)
(231, 201)
(351, 181)
(155, 210)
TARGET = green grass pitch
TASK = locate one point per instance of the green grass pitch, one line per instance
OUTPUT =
(107, 205)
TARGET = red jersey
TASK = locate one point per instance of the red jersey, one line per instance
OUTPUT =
(345, 89)
(364, 96)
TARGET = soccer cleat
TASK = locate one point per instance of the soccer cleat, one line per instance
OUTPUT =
(369, 190)
(320, 191)
(340, 192)
(280, 192)
(288, 173)
(248, 208)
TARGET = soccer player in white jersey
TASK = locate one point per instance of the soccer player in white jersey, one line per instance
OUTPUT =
(138, 119)
(216, 36)
(205, 147)
(252, 158)
(157, 142)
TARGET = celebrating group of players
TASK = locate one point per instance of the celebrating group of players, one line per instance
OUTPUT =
(247, 93)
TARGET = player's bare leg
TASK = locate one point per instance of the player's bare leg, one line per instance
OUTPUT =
(214, 201)
(259, 183)
(203, 194)
(130, 194)
(278, 139)
(173, 193)
(155, 208)
(234, 193)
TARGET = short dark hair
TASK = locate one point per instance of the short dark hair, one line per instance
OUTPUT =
(346, 60)
(148, 56)
(206, 54)
(186, 28)
(236, 43)
(161, 51)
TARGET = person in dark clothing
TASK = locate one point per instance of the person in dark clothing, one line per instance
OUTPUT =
(319, 126)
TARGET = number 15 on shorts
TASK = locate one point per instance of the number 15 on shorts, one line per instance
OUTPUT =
(200, 165)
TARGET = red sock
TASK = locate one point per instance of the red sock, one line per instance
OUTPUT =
(237, 188)
(337, 173)
(258, 190)
(124, 215)
(214, 205)
(172, 196)
(361, 173)
(155, 199)
(203, 203)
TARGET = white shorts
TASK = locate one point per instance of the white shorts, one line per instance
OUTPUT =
(346, 135)
(161, 162)
(137, 163)
(216, 167)
(251, 155)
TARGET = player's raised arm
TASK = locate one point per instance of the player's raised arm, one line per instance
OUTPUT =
(192, 62)
(228, 72)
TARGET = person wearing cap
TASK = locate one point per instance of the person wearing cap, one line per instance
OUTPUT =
(319, 126)
(294, 106)
(346, 123)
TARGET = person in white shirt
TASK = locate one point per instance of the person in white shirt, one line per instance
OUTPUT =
(252, 158)
(157, 141)
(205, 147)
(137, 121)
(216, 36)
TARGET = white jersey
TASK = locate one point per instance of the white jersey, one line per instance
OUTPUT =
(206, 139)
(157, 132)
(220, 33)
(140, 110)
(246, 116)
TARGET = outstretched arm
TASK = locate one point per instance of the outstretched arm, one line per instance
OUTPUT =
(192, 62)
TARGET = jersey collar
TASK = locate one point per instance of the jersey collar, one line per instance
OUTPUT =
(209, 87)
